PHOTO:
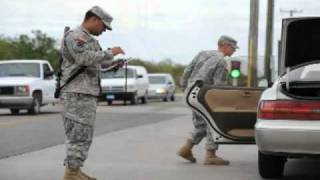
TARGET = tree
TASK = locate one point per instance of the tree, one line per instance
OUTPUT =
(164, 66)
(40, 46)
(7, 50)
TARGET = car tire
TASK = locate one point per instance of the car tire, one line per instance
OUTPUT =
(271, 166)
(165, 98)
(35, 107)
(14, 111)
(109, 102)
(144, 99)
(134, 99)
(172, 98)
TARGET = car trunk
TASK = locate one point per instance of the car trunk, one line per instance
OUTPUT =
(301, 90)
(300, 48)
(300, 43)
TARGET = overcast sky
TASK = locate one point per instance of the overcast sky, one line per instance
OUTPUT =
(153, 29)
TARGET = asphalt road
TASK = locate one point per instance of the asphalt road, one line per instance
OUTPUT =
(26, 133)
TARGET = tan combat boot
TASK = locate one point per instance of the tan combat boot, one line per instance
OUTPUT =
(186, 151)
(212, 159)
(72, 174)
(86, 177)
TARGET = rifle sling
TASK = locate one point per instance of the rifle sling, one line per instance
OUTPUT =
(82, 68)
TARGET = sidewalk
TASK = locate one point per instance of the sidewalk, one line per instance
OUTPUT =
(141, 153)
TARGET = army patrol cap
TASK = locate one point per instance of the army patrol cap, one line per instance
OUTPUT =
(228, 40)
(103, 15)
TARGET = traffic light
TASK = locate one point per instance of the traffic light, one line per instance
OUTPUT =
(235, 69)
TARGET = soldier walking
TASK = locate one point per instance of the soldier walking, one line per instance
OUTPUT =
(80, 50)
(211, 68)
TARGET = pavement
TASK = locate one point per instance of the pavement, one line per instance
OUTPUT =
(145, 152)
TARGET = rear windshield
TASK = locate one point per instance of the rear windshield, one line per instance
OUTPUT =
(118, 74)
(309, 72)
(157, 79)
(20, 69)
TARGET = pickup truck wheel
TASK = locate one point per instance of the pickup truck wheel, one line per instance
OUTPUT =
(144, 99)
(14, 111)
(35, 107)
(270, 166)
(172, 98)
(165, 98)
(134, 99)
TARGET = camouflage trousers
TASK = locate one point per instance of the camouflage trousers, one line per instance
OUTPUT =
(79, 114)
(201, 130)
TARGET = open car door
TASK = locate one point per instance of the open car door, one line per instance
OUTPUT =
(230, 111)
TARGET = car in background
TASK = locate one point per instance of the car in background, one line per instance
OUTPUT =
(125, 84)
(161, 86)
(26, 84)
(284, 119)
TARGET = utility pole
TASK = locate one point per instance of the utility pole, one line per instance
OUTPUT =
(253, 43)
(269, 41)
(291, 11)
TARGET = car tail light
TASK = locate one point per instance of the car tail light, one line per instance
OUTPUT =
(286, 109)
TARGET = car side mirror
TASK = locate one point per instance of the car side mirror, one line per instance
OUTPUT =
(170, 83)
(48, 74)
(140, 76)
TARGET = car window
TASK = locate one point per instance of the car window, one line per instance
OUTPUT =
(45, 68)
(157, 80)
(20, 69)
(171, 80)
(131, 73)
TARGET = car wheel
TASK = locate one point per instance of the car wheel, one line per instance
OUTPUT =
(165, 98)
(172, 98)
(270, 166)
(109, 103)
(144, 99)
(35, 107)
(14, 111)
(134, 99)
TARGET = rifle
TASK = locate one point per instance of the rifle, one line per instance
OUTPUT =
(59, 73)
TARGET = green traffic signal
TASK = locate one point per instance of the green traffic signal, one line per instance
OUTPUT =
(235, 73)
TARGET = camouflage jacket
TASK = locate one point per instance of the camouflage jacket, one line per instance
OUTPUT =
(208, 66)
(80, 49)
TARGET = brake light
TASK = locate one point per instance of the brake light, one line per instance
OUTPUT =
(286, 109)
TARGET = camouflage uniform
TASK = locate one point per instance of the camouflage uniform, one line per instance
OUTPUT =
(79, 97)
(211, 68)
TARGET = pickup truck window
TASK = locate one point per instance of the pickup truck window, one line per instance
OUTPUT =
(157, 80)
(118, 74)
(20, 69)
(46, 70)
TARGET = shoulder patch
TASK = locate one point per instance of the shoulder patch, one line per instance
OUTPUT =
(80, 39)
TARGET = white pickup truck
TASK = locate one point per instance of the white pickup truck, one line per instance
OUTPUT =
(26, 84)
